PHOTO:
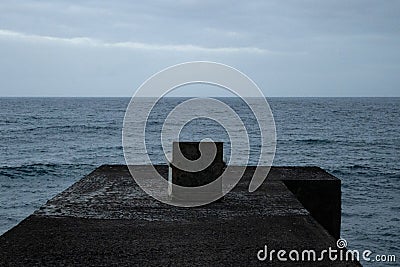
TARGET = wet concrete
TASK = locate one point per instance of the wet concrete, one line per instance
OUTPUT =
(106, 219)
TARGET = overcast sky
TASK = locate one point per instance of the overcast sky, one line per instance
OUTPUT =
(289, 48)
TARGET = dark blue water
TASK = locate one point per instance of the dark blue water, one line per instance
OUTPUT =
(49, 143)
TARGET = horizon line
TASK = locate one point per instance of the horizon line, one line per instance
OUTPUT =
(199, 96)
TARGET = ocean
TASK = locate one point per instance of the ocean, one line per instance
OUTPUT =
(47, 144)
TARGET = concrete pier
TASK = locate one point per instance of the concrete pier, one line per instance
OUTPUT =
(106, 219)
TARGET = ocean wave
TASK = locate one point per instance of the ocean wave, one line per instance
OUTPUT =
(312, 141)
(358, 167)
(39, 169)
(66, 128)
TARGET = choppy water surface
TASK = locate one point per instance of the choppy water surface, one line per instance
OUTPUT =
(49, 143)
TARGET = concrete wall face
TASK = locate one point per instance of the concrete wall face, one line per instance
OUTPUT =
(322, 198)
(184, 176)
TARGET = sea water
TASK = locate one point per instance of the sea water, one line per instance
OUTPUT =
(49, 143)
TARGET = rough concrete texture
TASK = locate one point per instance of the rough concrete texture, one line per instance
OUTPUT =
(105, 219)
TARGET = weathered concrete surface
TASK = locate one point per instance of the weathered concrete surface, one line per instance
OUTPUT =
(105, 219)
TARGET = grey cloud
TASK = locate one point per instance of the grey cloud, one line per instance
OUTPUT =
(322, 47)
(87, 41)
